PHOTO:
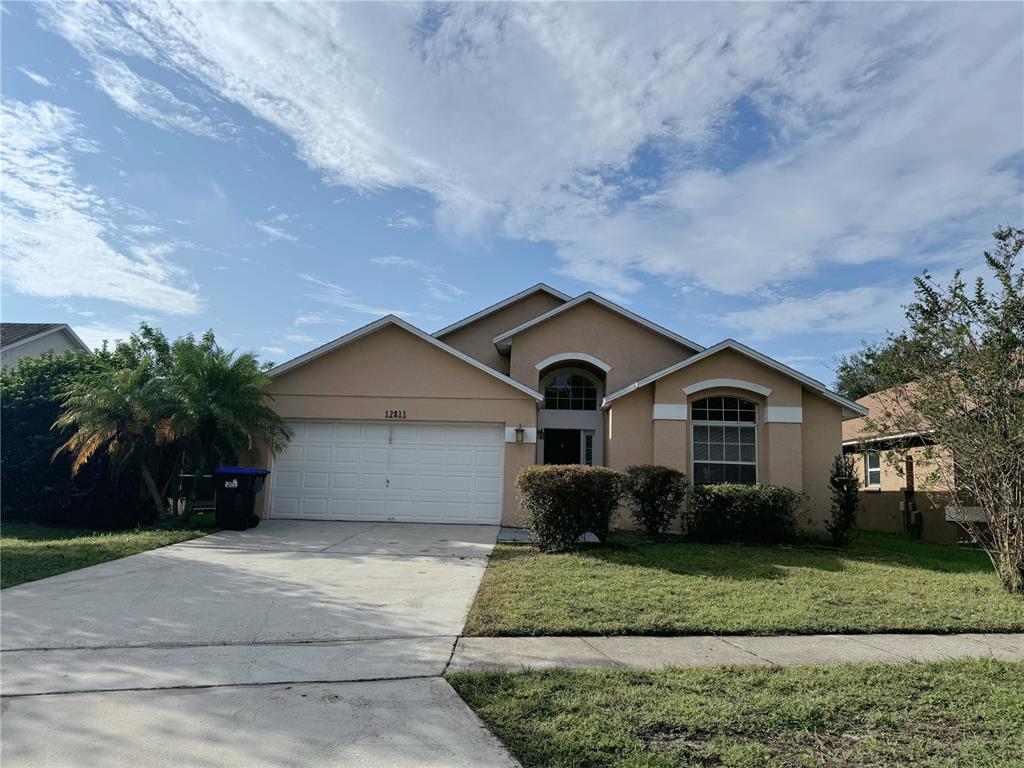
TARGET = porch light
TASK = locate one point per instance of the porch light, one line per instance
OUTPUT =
(520, 434)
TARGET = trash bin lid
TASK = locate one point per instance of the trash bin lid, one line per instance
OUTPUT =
(241, 471)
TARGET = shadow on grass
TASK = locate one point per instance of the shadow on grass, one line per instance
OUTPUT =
(743, 562)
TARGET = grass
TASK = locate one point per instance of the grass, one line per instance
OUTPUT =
(951, 714)
(882, 582)
(29, 551)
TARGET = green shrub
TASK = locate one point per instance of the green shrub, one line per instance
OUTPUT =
(845, 485)
(654, 494)
(562, 502)
(762, 514)
(37, 486)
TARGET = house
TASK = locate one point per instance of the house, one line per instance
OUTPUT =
(393, 423)
(899, 490)
(18, 340)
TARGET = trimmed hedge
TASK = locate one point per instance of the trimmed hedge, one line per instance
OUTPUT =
(564, 501)
(758, 514)
(655, 495)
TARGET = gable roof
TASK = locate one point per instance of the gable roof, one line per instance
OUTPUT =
(855, 431)
(504, 340)
(16, 334)
(850, 408)
(538, 288)
(366, 330)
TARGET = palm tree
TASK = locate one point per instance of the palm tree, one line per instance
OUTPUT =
(214, 405)
(112, 410)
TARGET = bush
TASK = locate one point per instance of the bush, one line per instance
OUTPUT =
(761, 514)
(844, 484)
(655, 495)
(37, 486)
(564, 501)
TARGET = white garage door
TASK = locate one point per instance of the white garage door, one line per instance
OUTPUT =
(346, 470)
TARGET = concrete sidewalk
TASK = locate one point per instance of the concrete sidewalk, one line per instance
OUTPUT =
(518, 653)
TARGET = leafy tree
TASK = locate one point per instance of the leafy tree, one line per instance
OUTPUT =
(966, 398)
(114, 411)
(873, 367)
(214, 406)
(35, 487)
(844, 485)
(190, 400)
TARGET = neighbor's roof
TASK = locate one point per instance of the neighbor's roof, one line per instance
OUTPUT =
(16, 334)
(504, 341)
(366, 330)
(538, 288)
(850, 408)
(876, 404)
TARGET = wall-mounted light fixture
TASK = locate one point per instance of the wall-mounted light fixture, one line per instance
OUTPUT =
(520, 434)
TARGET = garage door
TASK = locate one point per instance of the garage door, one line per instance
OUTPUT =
(344, 470)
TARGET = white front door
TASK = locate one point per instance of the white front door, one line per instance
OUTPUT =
(427, 472)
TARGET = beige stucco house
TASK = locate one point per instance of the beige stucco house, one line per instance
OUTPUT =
(900, 486)
(393, 423)
(18, 340)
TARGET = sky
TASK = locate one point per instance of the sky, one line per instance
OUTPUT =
(286, 173)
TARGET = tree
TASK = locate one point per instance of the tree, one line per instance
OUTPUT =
(114, 411)
(965, 399)
(871, 368)
(156, 407)
(35, 486)
(214, 406)
(845, 485)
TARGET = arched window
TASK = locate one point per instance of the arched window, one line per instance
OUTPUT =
(570, 391)
(724, 440)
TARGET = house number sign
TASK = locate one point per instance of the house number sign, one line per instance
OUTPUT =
(389, 414)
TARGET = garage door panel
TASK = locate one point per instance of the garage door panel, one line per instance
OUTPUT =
(374, 471)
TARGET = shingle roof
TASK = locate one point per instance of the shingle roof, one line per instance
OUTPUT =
(11, 333)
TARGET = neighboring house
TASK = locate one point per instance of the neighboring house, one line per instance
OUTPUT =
(18, 340)
(898, 490)
(392, 423)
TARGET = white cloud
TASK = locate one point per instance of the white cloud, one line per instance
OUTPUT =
(273, 350)
(299, 338)
(35, 77)
(343, 298)
(95, 335)
(319, 318)
(402, 261)
(63, 239)
(402, 221)
(274, 233)
(440, 290)
(866, 132)
(861, 310)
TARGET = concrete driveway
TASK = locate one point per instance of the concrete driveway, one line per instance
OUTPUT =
(295, 643)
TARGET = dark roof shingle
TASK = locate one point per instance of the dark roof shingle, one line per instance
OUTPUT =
(12, 333)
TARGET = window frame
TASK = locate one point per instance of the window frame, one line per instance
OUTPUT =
(590, 378)
(708, 423)
(868, 469)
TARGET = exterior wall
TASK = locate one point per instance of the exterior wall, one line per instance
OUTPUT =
(477, 338)
(631, 350)
(880, 511)
(57, 341)
(378, 372)
(823, 441)
(793, 455)
(892, 478)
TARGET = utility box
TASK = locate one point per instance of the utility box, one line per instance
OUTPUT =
(236, 489)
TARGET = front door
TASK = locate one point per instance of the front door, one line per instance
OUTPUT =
(561, 446)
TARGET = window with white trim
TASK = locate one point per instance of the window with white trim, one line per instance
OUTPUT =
(724, 440)
(873, 469)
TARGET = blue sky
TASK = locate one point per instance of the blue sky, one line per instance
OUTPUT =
(284, 174)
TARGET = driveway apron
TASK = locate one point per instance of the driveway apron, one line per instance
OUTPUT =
(294, 643)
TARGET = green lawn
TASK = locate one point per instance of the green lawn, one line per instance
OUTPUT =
(29, 551)
(953, 714)
(881, 583)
